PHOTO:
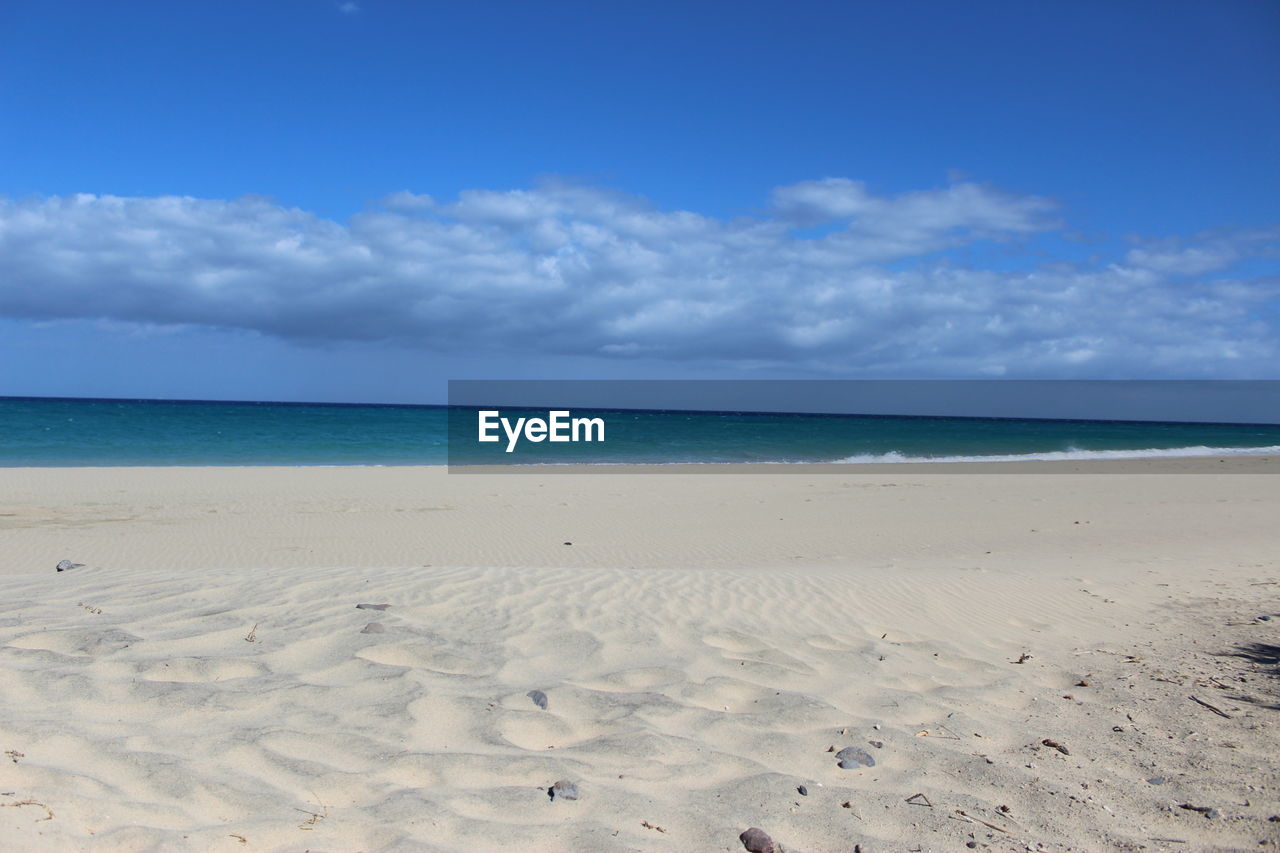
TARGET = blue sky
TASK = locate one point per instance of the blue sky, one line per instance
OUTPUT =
(355, 201)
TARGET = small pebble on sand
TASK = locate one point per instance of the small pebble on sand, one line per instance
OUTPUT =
(563, 790)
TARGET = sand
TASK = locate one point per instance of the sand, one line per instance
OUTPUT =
(207, 682)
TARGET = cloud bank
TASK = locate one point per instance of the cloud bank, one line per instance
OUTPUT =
(827, 278)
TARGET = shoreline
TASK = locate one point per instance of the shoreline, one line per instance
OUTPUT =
(1240, 463)
(846, 516)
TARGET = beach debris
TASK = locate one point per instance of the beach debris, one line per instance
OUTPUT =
(950, 735)
(13, 755)
(97, 611)
(568, 543)
(1082, 683)
(316, 817)
(918, 800)
(539, 698)
(802, 791)
(238, 837)
(852, 757)
(67, 565)
(1207, 811)
(252, 636)
(1024, 657)
(970, 817)
(372, 606)
(1053, 744)
(756, 840)
(374, 628)
(652, 826)
(1214, 709)
(47, 811)
(563, 790)
(878, 744)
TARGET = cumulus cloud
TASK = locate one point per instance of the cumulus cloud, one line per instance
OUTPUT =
(573, 270)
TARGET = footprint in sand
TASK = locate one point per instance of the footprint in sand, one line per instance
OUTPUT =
(748, 651)
(537, 730)
(732, 641)
(198, 670)
(828, 643)
(423, 657)
(717, 694)
(95, 643)
(640, 679)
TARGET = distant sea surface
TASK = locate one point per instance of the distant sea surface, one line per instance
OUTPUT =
(72, 432)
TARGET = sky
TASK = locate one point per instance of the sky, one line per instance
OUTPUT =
(357, 201)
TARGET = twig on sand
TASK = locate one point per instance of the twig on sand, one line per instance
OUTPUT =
(950, 735)
(316, 817)
(968, 816)
(1218, 711)
(252, 636)
(48, 811)
(648, 825)
(918, 800)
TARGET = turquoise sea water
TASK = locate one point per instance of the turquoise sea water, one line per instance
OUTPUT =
(58, 432)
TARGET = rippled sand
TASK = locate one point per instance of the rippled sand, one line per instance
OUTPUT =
(207, 682)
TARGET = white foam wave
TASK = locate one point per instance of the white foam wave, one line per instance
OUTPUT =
(1066, 455)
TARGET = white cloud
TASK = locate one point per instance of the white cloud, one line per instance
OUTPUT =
(1206, 253)
(572, 270)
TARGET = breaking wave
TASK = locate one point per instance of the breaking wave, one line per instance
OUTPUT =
(1068, 455)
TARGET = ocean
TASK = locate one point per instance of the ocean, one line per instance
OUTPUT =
(77, 432)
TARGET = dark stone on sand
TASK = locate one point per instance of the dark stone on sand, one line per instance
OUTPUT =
(372, 606)
(802, 791)
(568, 543)
(1156, 780)
(539, 698)
(852, 757)
(67, 565)
(878, 744)
(756, 841)
(563, 790)
(373, 628)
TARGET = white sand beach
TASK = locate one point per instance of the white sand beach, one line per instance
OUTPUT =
(1017, 652)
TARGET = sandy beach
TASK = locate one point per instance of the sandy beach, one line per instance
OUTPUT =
(1051, 656)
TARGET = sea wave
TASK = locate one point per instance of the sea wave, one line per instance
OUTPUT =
(1067, 455)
